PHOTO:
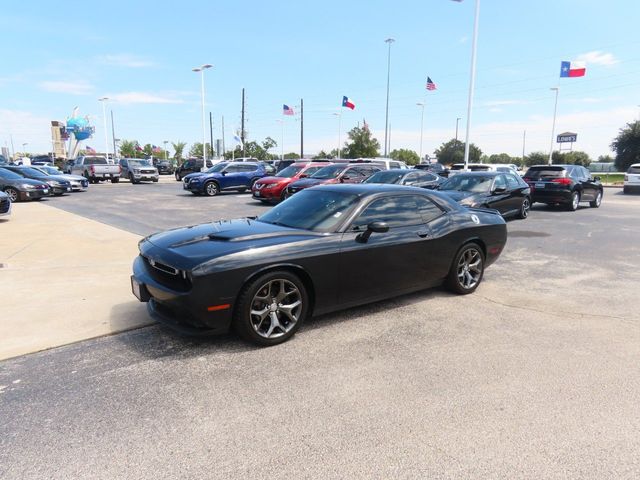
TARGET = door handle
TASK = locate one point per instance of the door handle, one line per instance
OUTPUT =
(423, 234)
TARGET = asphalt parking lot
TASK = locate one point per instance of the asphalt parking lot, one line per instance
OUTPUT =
(533, 376)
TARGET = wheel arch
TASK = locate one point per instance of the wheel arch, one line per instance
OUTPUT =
(476, 240)
(291, 268)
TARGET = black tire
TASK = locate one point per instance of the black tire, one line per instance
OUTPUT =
(465, 280)
(178, 179)
(115, 180)
(242, 190)
(597, 201)
(155, 180)
(131, 179)
(58, 194)
(211, 189)
(87, 176)
(524, 208)
(265, 294)
(14, 195)
(574, 202)
(626, 190)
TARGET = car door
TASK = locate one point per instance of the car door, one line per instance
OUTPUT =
(589, 186)
(499, 195)
(124, 168)
(517, 190)
(386, 263)
(232, 176)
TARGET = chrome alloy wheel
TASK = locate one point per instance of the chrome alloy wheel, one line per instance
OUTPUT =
(575, 201)
(524, 211)
(469, 269)
(275, 308)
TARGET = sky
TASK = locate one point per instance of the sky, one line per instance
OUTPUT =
(141, 54)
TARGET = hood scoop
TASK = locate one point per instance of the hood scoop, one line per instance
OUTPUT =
(230, 237)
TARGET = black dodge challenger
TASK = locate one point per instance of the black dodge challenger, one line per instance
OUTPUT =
(327, 248)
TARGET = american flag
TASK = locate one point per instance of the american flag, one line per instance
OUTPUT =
(155, 149)
(89, 149)
(287, 110)
(430, 84)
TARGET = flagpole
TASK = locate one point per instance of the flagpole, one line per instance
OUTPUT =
(339, 131)
(472, 83)
(553, 127)
(421, 104)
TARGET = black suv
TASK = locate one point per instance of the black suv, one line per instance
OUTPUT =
(566, 185)
(190, 165)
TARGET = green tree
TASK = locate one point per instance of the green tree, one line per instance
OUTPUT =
(536, 158)
(503, 158)
(196, 150)
(605, 159)
(268, 143)
(178, 149)
(322, 155)
(292, 156)
(453, 152)
(627, 146)
(361, 144)
(571, 158)
(128, 148)
(404, 155)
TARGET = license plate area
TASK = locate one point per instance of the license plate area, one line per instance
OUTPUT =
(139, 291)
(539, 185)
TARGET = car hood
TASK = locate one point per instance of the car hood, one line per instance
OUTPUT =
(24, 180)
(57, 178)
(71, 177)
(272, 180)
(198, 247)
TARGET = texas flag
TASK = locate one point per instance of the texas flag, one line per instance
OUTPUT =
(346, 102)
(572, 69)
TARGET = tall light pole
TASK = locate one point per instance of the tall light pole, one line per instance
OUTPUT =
(339, 115)
(281, 122)
(24, 149)
(388, 41)
(553, 127)
(457, 120)
(165, 149)
(472, 83)
(201, 69)
(103, 100)
(421, 105)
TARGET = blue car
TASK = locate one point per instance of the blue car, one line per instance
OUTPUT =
(238, 176)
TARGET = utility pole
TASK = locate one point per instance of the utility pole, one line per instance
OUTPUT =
(524, 138)
(223, 147)
(211, 130)
(113, 137)
(388, 41)
(242, 125)
(301, 128)
(457, 120)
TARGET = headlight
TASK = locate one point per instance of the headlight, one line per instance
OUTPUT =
(53, 183)
(27, 186)
(269, 185)
(135, 170)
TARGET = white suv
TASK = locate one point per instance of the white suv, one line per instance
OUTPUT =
(632, 178)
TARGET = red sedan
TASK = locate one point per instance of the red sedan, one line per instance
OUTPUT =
(271, 189)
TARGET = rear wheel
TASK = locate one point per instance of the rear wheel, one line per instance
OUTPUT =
(178, 179)
(115, 180)
(466, 270)
(132, 179)
(211, 189)
(626, 190)
(597, 201)
(575, 201)
(14, 196)
(271, 308)
(524, 208)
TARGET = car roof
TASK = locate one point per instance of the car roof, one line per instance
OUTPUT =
(480, 174)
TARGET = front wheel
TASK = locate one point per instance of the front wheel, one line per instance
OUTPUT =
(211, 189)
(466, 270)
(597, 201)
(524, 208)
(132, 179)
(271, 308)
(115, 180)
(178, 179)
(242, 190)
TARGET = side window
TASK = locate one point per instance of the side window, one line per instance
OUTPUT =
(500, 182)
(189, 164)
(396, 211)
(233, 169)
(512, 182)
(354, 172)
(574, 173)
(394, 165)
(411, 178)
(428, 209)
(249, 167)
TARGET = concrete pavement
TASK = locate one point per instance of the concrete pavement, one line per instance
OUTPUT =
(61, 276)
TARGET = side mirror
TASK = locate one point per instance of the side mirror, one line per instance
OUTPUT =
(377, 227)
(303, 175)
(344, 177)
(223, 173)
(499, 190)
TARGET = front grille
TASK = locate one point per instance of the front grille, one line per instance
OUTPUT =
(167, 275)
(147, 171)
(5, 203)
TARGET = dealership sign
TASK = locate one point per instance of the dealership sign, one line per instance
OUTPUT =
(567, 137)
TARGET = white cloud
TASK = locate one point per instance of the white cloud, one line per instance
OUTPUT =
(25, 127)
(597, 57)
(125, 60)
(142, 97)
(73, 88)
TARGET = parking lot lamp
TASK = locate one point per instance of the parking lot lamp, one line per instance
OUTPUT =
(165, 149)
(339, 115)
(421, 105)
(103, 100)
(201, 69)
(388, 41)
(553, 127)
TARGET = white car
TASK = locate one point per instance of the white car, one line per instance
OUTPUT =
(78, 183)
(5, 204)
(632, 179)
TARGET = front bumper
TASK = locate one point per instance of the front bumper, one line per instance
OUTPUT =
(33, 194)
(267, 194)
(145, 177)
(178, 309)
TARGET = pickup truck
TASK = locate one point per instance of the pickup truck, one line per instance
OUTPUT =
(95, 169)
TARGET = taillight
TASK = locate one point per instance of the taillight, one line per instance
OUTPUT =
(626, 177)
(562, 181)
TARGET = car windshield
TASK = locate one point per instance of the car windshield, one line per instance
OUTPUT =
(468, 183)
(332, 171)
(50, 170)
(9, 175)
(315, 210)
(290, 171)
(140, 163)
(385, 177)
(30, 171)
(217, 167)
